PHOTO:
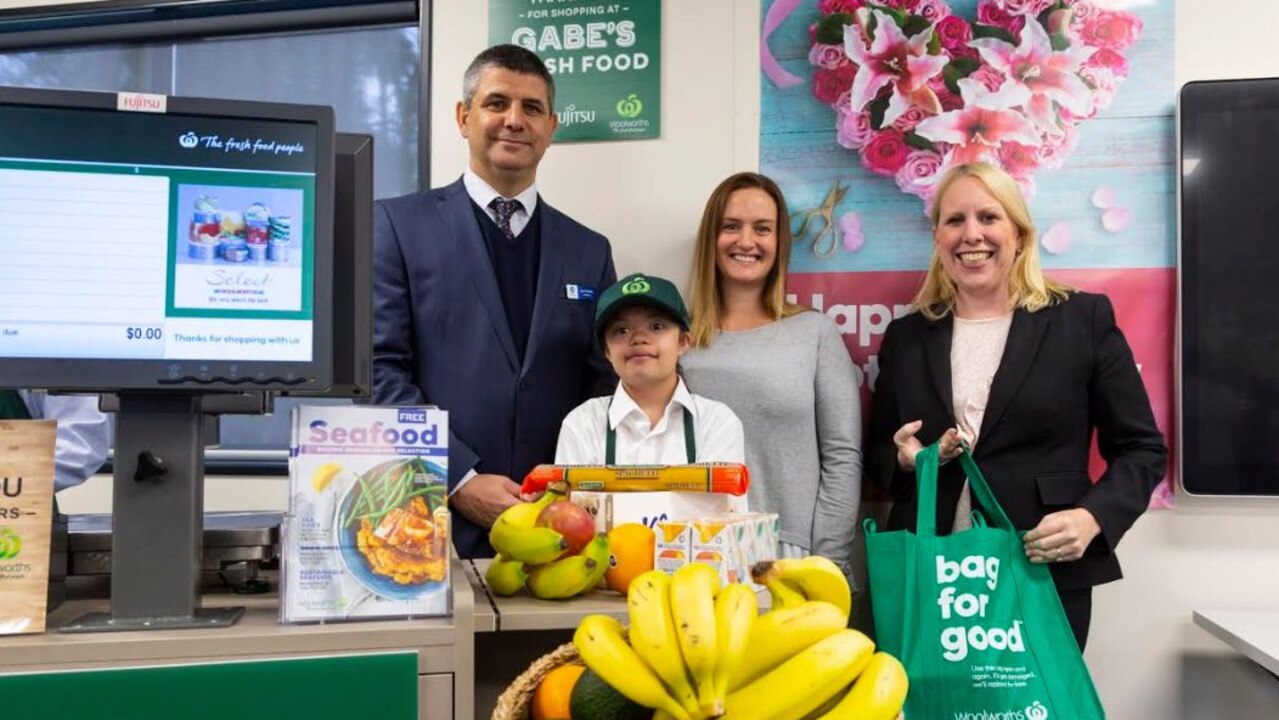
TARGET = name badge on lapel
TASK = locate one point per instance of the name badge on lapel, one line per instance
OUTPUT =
(580, 293)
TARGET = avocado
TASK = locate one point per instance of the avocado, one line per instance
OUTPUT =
(594, 699)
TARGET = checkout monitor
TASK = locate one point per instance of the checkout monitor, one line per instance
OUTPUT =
(155, 244)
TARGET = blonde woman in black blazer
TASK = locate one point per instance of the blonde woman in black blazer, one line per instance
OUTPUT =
(1064, 370)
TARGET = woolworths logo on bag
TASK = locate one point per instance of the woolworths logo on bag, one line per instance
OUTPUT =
(1034, 712)
(10, 544)
(958, 607)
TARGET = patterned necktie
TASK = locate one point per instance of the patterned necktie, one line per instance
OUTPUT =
(505, 209)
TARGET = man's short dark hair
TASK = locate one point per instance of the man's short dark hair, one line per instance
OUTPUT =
(508, 57)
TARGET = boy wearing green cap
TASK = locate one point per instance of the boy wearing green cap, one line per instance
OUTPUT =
(651, 419)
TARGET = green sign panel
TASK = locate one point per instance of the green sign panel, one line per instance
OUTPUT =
(340, 688)
(605, 56)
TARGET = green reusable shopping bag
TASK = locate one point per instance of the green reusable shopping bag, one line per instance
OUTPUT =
(979, 628)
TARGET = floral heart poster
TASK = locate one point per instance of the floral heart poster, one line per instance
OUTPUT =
(864, 105)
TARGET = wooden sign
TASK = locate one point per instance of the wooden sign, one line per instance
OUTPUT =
(26, 522)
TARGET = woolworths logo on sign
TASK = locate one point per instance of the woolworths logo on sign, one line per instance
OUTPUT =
(1034, 712)
(630, 106)
(10, 544)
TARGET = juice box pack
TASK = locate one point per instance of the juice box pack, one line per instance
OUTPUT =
(367, 533)
(731, 543)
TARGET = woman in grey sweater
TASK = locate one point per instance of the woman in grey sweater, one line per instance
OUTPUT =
(781, 367)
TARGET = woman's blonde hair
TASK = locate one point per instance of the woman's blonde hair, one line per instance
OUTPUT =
(1028, 287)
(706, 290)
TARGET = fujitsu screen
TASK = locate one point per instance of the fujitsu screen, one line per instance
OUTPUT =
(133, 236)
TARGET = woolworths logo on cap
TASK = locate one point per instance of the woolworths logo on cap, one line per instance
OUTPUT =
(10, 544)
(638, 286)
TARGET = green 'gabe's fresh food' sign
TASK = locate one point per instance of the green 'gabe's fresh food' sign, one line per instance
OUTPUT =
(605, 57)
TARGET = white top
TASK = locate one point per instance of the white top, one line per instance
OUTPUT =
(716, 430)
(482, 194)
(83, 434)
(976, 348)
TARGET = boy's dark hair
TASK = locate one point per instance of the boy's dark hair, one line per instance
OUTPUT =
(508, 57)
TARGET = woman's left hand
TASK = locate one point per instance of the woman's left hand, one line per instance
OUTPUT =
(1061, 536)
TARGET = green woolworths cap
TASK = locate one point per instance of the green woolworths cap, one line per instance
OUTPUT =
(639, 289)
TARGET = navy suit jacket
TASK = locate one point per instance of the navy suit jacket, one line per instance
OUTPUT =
(1066, 372)
(441, 336)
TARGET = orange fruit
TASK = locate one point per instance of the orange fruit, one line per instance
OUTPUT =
(631, 548)
(551, 699)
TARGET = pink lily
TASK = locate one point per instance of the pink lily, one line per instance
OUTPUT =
(893, 58)
(1048, 75)
(986, 121)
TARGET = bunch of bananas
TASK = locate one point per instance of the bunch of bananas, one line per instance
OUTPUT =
(533, 557)
(697, 651)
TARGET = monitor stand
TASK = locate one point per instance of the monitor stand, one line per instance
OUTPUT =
(157, 519)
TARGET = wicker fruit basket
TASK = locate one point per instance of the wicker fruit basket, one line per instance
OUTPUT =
(516, 702)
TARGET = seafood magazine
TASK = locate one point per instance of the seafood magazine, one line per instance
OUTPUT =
(367, 532)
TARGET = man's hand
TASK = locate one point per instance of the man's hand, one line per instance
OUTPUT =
(482, 498)
(1061, 536)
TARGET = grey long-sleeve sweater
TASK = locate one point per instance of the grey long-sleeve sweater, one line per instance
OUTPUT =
(792, 384)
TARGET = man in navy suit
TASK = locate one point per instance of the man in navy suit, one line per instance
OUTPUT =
(485, 297)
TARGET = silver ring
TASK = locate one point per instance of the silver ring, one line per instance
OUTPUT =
(1056, 554)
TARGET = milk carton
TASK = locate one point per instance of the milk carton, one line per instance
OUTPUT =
(367, 532)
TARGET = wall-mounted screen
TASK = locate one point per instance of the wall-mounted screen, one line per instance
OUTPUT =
(1229, 272)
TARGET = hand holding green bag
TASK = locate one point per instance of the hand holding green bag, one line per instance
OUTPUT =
(979, 628)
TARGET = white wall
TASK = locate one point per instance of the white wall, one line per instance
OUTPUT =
(1147, 658)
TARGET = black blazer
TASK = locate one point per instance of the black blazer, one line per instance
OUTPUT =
(1066, 370)
(440, 335)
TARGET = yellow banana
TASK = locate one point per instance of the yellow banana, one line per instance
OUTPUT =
(784, 594)
(525, 514)
(778, 635)
(532, 545)
(505, 577)
(563, 578)
(735, 611)
(878, 693)
(693, 590)
(653, 635)
(805, 682)
(600, 642)
(598, 550)
(817, 577)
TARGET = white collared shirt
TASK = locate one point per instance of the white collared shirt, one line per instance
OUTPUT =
(82, 439)
(482, 194)
(716, 431)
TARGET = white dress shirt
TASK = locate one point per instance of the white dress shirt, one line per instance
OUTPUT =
(482, 194)
(82, 439)
(716, 431)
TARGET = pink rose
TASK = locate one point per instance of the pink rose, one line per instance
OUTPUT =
(827, 56)
(1104, 84)
(828, 85)
(1082, 11)
(949, 100)
(1056, 146)
(932, 10)
(919, 174)
(1019, 160)
(853, 130)
(988, 76)
(1024, 7)
(1110, 60)
(989, 14)
(850, 226)
(885, 153)
(1114, 30)
(909, 119)
(954, 32)
(828, 7)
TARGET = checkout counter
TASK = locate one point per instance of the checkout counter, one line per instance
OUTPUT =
(464, 662)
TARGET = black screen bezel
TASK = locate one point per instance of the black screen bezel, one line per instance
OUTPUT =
(186, 376)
